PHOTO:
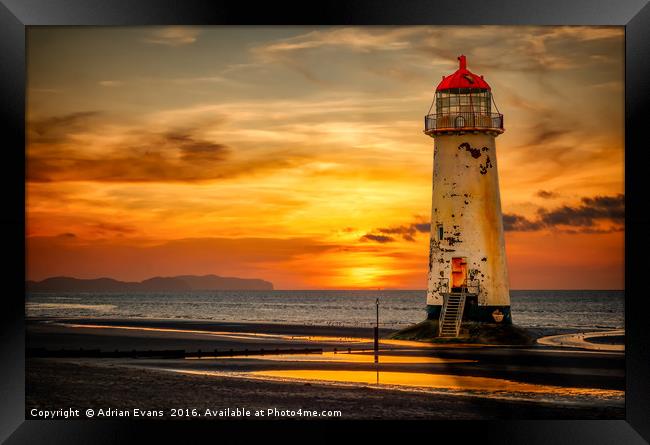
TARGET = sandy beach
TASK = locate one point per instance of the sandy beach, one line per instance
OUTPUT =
(411, 380)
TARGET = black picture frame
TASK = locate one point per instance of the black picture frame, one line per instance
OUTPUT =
(16, 15)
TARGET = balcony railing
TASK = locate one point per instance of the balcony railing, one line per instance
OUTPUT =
(440, 123)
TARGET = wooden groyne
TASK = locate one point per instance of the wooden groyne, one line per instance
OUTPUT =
(166, 353)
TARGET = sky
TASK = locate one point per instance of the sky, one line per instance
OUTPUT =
(296, 154)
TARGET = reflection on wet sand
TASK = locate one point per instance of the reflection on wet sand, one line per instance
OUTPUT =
(226, 334)
(483, 387)
(438, 381)
(424, 344)
(264, 337)
(343, 357)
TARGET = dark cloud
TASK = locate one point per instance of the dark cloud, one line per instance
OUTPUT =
(197, 150)
(518, 223)
(610, 208)
(116, 228)
(548, 131)
(546, 194)
(495, 50)
(377, 238)
(583, 218)
(407, 232)
(422, 227)
(543, 134)
(522, 48)
(57, 129)
(587, 230)
(179, 155)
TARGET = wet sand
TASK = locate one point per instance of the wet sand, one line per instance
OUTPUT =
(184, 334)
(411, 380)
(54, 383)
(596, 341)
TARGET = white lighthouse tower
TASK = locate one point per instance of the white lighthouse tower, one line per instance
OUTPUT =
(468, 276)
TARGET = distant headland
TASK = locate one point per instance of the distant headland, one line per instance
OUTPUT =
(178, 283)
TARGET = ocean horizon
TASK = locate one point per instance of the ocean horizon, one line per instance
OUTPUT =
(565, 309)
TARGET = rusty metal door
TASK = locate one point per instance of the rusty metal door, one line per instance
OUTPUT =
(458, 272)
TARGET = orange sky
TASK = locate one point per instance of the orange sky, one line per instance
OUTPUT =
(272, 152)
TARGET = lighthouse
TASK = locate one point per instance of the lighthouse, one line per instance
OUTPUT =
(468, 276)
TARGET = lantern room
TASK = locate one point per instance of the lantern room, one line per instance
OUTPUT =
(463, 103)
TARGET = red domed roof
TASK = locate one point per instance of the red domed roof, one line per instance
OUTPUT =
(463, 78)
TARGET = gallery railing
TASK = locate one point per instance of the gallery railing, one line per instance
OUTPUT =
(438, 123)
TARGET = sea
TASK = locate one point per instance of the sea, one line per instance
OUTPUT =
(561, 309)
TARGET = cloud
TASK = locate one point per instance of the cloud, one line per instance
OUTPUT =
(545, 194)
(237, 137)
(173, 36)
(584, 218)
(544, 134)
(58, 153)
(193, 150)
(410, 53)
(357, 39)
(611, 208)
(45, 90)
(437, 40)
(422, 227)
(292, 52)
(138, 259)
(548, 131)
(377, 238)
(56, 129)
(293, 146)
(111, 83)
(82, 147)
(211, 79)
(104, 228)
(407, 232)
(614, 86)
(518, 223)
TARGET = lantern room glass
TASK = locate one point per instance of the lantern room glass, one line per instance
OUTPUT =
(454, 102)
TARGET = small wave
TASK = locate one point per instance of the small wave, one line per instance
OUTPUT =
(55, 306)
(65, 298)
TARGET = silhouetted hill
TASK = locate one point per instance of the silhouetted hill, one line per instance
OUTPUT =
(155, 284)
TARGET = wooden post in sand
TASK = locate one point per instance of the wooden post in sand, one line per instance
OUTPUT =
(377, 333)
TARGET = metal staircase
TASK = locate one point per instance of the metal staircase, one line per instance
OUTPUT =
(451, 314)
(453, 306)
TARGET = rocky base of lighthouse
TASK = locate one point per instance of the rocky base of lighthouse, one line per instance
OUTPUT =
(470, 332)
(482, 314)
